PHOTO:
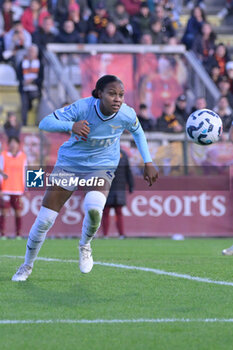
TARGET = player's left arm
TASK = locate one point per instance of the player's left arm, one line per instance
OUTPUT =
(150, 173)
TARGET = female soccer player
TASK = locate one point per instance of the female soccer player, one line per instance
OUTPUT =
(93, 150)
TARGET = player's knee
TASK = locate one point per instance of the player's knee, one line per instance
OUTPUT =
(44, 225)
(94, 201)
(44, 220)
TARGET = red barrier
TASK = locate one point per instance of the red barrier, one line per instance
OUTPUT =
(148, 213)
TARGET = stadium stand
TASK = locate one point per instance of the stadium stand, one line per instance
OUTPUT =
(9, 97)
(83, 13)
(7, 75)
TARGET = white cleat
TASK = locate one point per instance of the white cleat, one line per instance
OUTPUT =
(228, 251)
(85, 258)
(22, 274)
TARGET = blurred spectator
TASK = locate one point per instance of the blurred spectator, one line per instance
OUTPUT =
(85, 10)
(159, 85)
(23, 3)
(181, 108)
(227, 10)
(132, 7)
(16, 40)
(229, 72)
(80, 24)
(121, 18)
(110, 35)
(169, 122)
(167, 26)
(12, 162)
(224, 110)
(45, 34)
(173, 41)
(146, 39)
(58, 9)
(204, 43)
(215, 74)
(9, 14)
(117, 194)
(109, 5)
(152, 4)
(97, 22)
(192, 3)
(224, 87)
(219, 58)
(30, 76)
(193, 27)
(176, 7)
(68, 34)
(17, 37)
(200, 103)
(172, 8)
(12, 125)
(32, 17)
(158, 36)
(147, 123)
(141, 22)
(37, 149)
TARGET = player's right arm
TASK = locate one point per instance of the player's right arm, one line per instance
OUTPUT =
(65, 120)
(81, 128)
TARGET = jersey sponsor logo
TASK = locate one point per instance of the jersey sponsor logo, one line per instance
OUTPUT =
(97, 142)
(103, 142)
(35, 178)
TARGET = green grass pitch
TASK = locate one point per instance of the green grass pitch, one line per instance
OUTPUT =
(57, 291)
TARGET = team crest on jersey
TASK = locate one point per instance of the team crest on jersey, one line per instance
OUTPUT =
(115, 127)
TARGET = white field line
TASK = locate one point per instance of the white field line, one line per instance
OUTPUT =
(138, 268)
(114, 321)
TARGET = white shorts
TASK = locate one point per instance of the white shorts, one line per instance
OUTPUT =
(71, 181)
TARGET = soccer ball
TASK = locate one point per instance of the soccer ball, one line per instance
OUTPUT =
(204, 127)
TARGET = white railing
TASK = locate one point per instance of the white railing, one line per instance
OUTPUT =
(199, 80)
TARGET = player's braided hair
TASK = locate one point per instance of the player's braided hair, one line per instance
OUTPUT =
(102, 82)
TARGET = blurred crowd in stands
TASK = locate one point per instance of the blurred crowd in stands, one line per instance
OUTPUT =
(99, 21)
(26, 27)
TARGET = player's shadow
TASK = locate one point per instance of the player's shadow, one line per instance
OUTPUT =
(82, 290)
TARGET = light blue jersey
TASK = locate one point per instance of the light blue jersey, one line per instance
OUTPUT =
(101, 147)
